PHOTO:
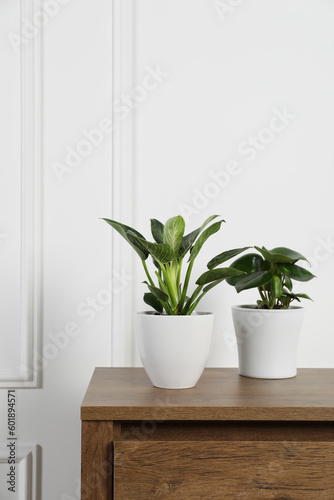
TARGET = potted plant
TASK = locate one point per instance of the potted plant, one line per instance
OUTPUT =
(267, 333)
(173, 339)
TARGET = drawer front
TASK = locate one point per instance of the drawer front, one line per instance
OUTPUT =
(208, 470)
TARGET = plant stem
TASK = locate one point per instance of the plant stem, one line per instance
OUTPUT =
(175, 278)
(169, 283)
(186, 283)
(162, 285)
(192, 308)
(167, 308)
(164, 304)
(191, 299)
(266, 297)
(263, 297)
(178, 279)
(147, 273)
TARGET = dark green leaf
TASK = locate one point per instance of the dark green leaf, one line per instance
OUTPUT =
(250, 263)
(173, 233)
(266, 266)
(295, 272)
(223, 257)
(297, 296)
(280, 255)
(159, 294)
(162, 253)
(288, 283)
(152, 301)
(189, 239)
(304, 296)
(217, 274)
(157, 230)
(123, 230)
(209, 231)
(253, 280)
(286, 298)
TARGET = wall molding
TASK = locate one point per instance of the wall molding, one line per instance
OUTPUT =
(31, 209)
(122, 181)
(27, 463)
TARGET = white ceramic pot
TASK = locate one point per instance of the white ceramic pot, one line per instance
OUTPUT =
(267, 341)
(174, 349)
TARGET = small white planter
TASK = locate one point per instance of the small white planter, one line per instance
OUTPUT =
(267, 341)
(174, 349)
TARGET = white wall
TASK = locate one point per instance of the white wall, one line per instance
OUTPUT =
(227, 76)
(216, 79)
(77, 94)
(10, 191)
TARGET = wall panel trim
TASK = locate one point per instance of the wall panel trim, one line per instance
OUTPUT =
(123, 181)
(26, 374)
(27, 473)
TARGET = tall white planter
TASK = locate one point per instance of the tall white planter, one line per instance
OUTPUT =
(174, 349)
(267, 341)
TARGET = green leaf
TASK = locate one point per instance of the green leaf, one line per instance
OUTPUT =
(253, 280)
(250, 263)
(157, 230)
(209, 231)
(173, 233)
(223, 257)
(280, 255)
(152, 301)
(123, 230)
(286, 298)
(276, 286)
(189, 239)
(159, 294)
(295, 272)
(217, 274)
(162, 253)
(296, 296)
(288, 283)
(303, 296)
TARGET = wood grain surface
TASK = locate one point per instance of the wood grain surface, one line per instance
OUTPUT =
(150, 430)
(96, 460)
(221, 394)
(223, 470)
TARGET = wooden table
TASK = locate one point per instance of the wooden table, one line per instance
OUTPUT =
(230, 437)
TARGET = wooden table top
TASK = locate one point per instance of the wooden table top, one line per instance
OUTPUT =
(221, 394)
